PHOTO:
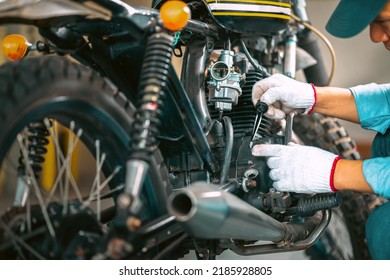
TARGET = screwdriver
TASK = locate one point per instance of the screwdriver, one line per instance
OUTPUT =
(261, 108)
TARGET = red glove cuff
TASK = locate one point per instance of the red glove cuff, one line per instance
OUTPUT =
(315, 100)
(331, 179)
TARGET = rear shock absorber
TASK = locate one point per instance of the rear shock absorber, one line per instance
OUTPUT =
(151, 91)
(37, 141)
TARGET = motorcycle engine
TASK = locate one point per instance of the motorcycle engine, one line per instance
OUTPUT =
(249, 171)
(229, 84)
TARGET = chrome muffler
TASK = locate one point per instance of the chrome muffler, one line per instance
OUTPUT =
(207, 212)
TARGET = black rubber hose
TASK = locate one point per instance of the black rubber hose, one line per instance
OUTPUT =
(255, 65)
(228, 149)
(310, 205)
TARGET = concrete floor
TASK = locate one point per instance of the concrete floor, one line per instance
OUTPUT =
(229, 255)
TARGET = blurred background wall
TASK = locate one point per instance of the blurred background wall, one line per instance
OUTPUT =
(359, 61)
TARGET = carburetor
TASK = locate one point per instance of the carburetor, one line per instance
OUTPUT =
(225, 82)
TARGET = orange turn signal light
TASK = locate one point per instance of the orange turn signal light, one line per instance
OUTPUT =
(15, 46)
(174, 15)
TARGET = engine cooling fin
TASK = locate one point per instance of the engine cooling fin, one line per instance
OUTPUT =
(243, 114)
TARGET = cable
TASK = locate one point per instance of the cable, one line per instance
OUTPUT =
(325, 40)
(255, 65)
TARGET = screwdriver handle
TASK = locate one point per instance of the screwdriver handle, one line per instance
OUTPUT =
(261, 107)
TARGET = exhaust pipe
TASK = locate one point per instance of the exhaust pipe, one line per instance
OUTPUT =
(207, 212)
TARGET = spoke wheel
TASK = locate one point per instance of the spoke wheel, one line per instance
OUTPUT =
(70, 218)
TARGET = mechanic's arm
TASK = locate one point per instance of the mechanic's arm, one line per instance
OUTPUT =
(370, 175)
(336, 102)
(284, 95)
(368, 104)
(349, 175)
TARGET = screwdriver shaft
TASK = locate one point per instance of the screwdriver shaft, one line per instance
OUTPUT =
(261, 108)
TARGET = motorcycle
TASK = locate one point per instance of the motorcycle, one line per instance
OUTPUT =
(169, 149)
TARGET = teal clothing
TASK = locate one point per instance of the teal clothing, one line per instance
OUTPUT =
(373, 106)
(378, 223)
(378, 232)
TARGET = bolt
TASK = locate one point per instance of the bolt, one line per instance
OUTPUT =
(124, 201)
(119, 248)
(251, 173)
(133, 223)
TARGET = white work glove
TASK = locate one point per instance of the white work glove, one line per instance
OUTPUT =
(300, 169)
(284, 95)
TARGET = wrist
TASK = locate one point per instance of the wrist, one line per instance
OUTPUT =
(311, 109)
(332, 174)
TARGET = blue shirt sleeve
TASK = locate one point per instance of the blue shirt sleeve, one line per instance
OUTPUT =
(373, 106)
(377, 174)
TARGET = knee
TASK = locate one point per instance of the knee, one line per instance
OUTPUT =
(378, 232)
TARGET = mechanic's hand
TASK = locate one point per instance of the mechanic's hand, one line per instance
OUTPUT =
(283, 95)
(300, 169)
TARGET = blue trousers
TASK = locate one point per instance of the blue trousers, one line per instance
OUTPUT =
(378, 223)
